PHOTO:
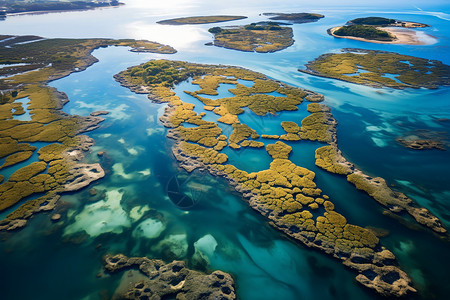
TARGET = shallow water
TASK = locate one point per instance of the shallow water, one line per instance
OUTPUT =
(218, 222)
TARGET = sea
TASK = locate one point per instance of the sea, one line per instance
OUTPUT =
(132, 209)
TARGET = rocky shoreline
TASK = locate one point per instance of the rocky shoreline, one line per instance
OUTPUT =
(161, 280)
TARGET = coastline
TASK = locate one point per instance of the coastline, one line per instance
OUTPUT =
(402, 36)
(41, 12)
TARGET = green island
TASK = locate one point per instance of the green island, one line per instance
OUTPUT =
(36, 185)
(366, 32)
(158, 280)
(20, 7)
(379, 30)
(298, 18)
(262, 38)
(380, 69)
(200, 20)
(284, 193)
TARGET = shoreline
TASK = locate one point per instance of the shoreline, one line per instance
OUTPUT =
(402, 36)
(42, 12)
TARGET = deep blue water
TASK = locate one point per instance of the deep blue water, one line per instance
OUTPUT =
(140, 165)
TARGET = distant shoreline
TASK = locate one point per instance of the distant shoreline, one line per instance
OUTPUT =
(402, 36)
(40, 12)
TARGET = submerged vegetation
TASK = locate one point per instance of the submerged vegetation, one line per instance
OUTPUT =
(200, 20)
(408, 71)
(262, 38)
(37, 185)
(285, 193)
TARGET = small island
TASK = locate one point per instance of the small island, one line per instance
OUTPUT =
(380, 30)
(297, 18)
(380, 69)
(200, 20)
(259, 37)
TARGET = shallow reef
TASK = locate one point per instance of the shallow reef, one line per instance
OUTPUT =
(422, 139)
(253, 37)
(36, 186)
(375, 68)
(159, 280)
(284, 193)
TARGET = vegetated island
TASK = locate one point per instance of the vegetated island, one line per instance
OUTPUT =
(380, 30)
(285, 193)
(297, 18)
(53, 166)
(380, 69)
(21, 7)
(259, 37)
(200, 20)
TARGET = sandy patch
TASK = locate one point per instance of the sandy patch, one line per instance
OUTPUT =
(402, 36)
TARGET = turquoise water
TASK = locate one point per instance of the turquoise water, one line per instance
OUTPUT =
(25, 102)
(139, 164)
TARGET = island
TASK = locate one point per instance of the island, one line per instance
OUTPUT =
(380, 69)
(22, 7)
(256, 37)
(380, 30)
(200, 20)
(297, 18)
(153, 279)
(43, 143)
(285, 193)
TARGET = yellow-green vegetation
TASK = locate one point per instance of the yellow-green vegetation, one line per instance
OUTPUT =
(242, 132)
(285, 193)
(410, 71)
(320, 125)
(253, 37)
(50, 176)
(200, 20)
(279, 150)
(330, 159)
